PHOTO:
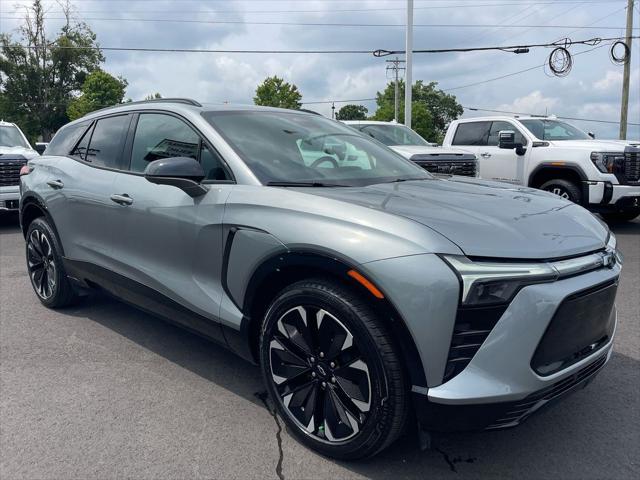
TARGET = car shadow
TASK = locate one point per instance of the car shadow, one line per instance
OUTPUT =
(626, 227)
(553, 442)
(9, 222)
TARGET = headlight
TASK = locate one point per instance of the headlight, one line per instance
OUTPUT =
(606, 162)
(487, 283)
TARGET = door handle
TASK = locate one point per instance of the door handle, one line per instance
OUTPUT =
(485, 155)
(123, 199)
(55, 184)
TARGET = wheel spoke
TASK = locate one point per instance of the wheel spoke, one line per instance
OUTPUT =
(332, 336)
(353, 381)
(293, 325)
(285, 364)
(35, 241)
(339, 424)
(301, 403)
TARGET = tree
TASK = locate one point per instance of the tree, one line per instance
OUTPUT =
(153, 96)
(275, 92)
(352, 112)
(99, 90)
(431, 108)
(40, 74)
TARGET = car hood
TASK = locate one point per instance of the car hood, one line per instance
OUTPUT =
(485, 219)
(596, 145)
(27, 153)
(408, 151)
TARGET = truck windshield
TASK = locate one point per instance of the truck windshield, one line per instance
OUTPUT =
(554, 130)
(394, 135)
(10, 137)
(282, 147)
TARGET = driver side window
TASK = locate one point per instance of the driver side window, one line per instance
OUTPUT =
(497, 127)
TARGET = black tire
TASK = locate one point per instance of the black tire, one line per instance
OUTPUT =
(381, 405)
(565, 189)
(45, 267)
(620, 217)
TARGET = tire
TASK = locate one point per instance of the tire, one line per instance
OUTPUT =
(620, 217)
(45, 267)
(358, 386)
(564, 189)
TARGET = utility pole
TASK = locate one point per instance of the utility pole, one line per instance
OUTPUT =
(408, 56)
(333, 111)
(395, 67)
(624, 108)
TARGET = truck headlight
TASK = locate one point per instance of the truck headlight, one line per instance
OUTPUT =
(606, 162)
(489, 283)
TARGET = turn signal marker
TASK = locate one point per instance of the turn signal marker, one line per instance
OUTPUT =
(365, 283)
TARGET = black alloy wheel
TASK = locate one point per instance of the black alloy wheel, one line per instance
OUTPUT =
(332, 370)
(44, 266)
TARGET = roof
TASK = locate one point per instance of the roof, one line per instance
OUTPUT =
(7, 124)
(490, 118)
(369, 122)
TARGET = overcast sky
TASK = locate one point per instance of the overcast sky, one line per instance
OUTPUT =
(591, 90)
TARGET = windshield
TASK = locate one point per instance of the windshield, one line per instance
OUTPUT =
(554, 130)
(10, 137)
(394, 135)
(293, 147)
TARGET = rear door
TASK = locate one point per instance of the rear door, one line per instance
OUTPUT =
(78, 186)
(168, 243)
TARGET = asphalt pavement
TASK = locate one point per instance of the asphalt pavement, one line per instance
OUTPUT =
(102, 390)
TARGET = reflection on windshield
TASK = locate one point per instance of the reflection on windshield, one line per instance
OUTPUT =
(10, 137)
(554, 130)
(394, 135)
(290, 147)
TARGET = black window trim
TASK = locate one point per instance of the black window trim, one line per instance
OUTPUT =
(131, 136)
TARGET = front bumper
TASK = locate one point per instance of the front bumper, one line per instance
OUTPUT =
(499, 388)
(609, 197)
(9, 198)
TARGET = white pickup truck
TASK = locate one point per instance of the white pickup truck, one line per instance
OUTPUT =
(15, 151)
(546, 153)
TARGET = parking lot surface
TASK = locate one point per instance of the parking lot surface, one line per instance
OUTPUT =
(102, 390)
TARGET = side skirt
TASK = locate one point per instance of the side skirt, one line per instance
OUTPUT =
(144, 298)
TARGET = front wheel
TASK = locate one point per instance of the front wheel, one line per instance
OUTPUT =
(564, 189)
(333, 371)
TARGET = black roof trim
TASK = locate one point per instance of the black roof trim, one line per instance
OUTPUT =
(184, 101)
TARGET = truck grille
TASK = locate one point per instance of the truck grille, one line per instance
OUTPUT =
(632, 165)
(10, 166)
(447, 164)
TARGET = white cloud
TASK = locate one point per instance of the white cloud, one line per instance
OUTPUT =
(535, 102)
(612, 80)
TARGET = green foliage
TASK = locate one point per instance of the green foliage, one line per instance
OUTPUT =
(99, 90)
(431, 109)
(40, 74)
(153, 96)
(275, 92)
(352, 112)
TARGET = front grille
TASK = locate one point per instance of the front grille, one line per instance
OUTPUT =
(632, 165)
(471, 329)
(447, 164)
(10, 166)
(582, 324)
(519, 411)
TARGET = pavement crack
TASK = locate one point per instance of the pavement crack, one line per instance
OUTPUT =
(452, 461)
(264, 398)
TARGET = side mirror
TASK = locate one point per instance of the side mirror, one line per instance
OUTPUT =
(507, 140)
(592, 135)
(182, 172)
(40, 147)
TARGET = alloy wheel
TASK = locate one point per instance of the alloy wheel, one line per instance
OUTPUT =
(41, 264)
(320, 375)
(561, 192)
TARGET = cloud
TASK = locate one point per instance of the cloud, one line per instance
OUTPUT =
(535, 102)
(612, 79)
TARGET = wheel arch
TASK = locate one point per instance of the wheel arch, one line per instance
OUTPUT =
(281, 270)
(32, 207)
(551, 171)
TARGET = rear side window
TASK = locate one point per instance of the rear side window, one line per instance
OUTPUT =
(472, 133)
(105, 146)
(66, 138)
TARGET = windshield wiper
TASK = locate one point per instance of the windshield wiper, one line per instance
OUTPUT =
(304, 184)
(398, 180)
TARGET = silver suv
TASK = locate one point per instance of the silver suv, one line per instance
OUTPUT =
(369, 294)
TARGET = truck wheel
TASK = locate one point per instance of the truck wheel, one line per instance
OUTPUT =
(620, 217)
(333, 370)
(564, 189)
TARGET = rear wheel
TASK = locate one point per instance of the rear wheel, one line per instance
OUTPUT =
(45, 268)
(333, 371)
(564, 188)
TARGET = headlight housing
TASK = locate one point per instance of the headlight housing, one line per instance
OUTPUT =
(606, 162)
(490, 283)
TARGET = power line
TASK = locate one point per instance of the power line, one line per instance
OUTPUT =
(317, 24)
